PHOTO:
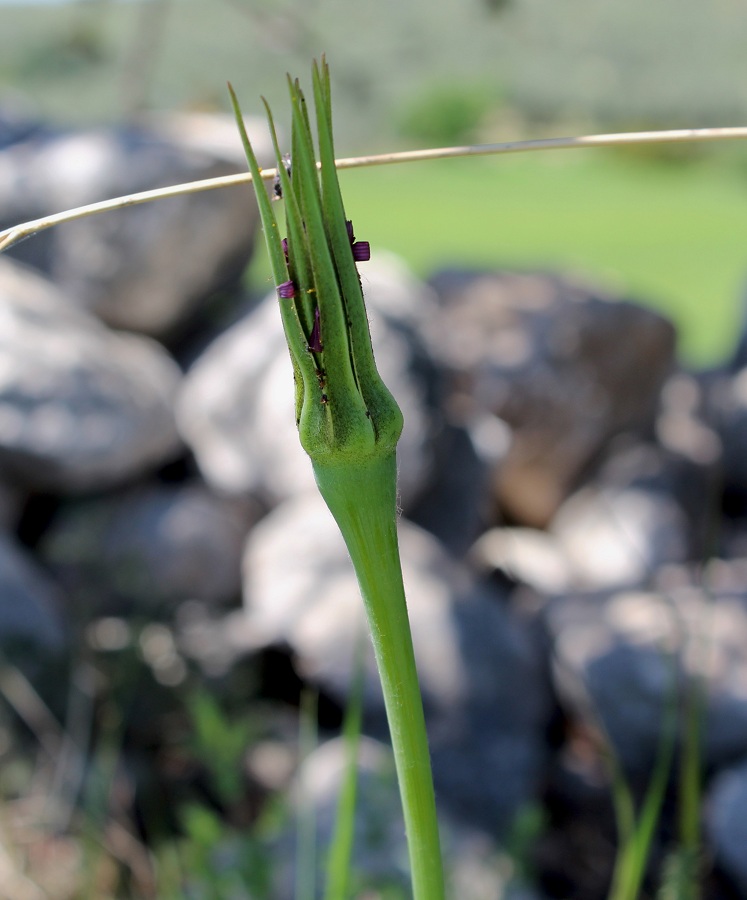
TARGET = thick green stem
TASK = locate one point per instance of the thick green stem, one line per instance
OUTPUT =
(362, 498)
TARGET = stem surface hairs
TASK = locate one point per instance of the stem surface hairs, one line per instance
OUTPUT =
(349, 425)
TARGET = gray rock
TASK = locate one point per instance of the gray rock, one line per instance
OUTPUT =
(148, 548)
(727, 408)
(565, 367)
(600, 539)
(615, 538)
(726, 824)
(684, 425)
(149, 267)
(616, 531)
(616, 657)
(455, 504)
(81, 408)
(300, 590)
(236, 407)
(527, 556)
(17, 123)
(30, 604)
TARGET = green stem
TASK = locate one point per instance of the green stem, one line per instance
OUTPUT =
(362, 498)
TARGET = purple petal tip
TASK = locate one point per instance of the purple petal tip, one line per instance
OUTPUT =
(361, 251)
(286, 290)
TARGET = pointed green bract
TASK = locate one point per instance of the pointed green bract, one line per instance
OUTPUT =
(291, 324)
(378, 399)
(343, 410)
(339, 860)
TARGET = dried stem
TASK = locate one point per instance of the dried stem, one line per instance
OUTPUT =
(13, 235)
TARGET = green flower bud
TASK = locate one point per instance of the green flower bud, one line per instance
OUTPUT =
(345, 413)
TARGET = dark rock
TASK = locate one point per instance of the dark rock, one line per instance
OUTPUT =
(13, 502)
(454, 507)
(81, 408)
(565, 367)
(616, 658)
(726, 401)
(236, 407)
(148, 549)
(726, 823)
(31, 623)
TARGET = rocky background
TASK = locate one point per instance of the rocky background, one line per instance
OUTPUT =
(574, 530)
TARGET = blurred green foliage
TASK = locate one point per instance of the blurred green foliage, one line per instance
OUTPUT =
(583, 62)
(447, 113)
(219, 742)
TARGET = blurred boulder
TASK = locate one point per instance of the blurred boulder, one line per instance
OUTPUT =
(684, 426)
(726, 823)
(625, 523)
(31, 607)
(148, 548)
(453, 506)
(300, 590)
(616, 531)
(726, 408)
(622, 658)
(619, 537)
(81, 408)
(18, 124)
(146, 268)
(567, 368)
(525, 556)
(13, 502)
(236, 413)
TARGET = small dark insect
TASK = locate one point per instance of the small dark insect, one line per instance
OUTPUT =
(324, 399)
(277, 187)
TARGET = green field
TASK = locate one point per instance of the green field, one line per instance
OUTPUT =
(671, 236)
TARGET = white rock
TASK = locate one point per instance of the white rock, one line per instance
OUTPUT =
(81, 407)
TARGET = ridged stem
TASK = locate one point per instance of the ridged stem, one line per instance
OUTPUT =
(362, 498)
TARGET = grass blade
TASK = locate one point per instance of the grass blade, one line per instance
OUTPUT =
(306, 826)
(341, 846)
(637, 835)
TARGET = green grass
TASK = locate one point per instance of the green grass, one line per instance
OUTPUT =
(671, 236)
